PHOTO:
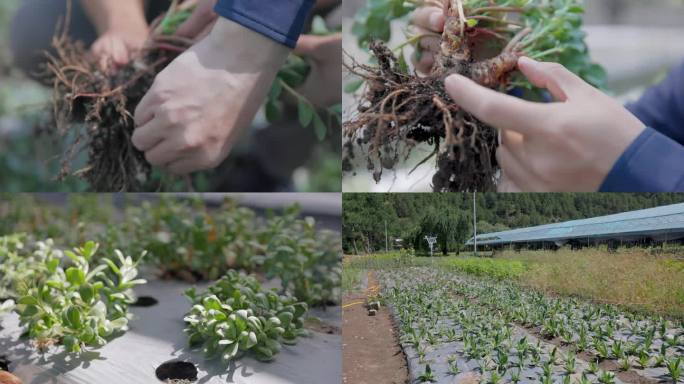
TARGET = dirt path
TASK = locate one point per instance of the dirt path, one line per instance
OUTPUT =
(370, 349)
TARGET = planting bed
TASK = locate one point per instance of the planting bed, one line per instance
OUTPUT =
(156, 336)
(237, 295)
(477, 330)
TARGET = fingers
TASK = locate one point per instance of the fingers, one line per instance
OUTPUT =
(317, 47)
(506, 185)
(110, 51)
(562, 83)
(149, 135)
(496, 109)
(424, 56)
(423, 61)
(182, 167)
(161, 154)
(515, 144)
(144, 112)
(430, 18)
(516, 173)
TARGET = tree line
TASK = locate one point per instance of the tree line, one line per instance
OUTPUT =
(449, 216)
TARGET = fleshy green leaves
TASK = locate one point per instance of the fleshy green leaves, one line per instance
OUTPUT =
(67, 304)
(75, 276)
(236, 316)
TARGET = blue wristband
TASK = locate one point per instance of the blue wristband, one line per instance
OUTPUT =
(280, 20)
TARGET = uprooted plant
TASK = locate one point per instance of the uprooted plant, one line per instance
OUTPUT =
(482, 40)
(93, 108)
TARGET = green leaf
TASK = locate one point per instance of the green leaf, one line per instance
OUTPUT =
(74, 316)
(52, 265)
(75, 276)
(273, 110)
(28, 300)
(72, 256)
(319, 127)
(276, 90)
(112, 266)
(89, 249)
(353, 86)
(306, 112)
(87, 293)
(29, 311)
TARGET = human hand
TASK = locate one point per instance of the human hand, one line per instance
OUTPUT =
(323, 86)
(567, 146)
(116, 46)
(197, 106)
(429, 21)
(200, 23)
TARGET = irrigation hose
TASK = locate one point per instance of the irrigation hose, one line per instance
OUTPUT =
(370, 290)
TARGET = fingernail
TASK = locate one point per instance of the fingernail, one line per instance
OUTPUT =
(437, 22)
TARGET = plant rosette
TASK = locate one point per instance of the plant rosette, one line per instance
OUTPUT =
(307, 261)
(236, 316)
(78, 305)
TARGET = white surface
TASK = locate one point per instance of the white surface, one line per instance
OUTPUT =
(156, 336)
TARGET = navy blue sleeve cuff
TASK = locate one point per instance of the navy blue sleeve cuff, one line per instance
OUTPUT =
(280, 20)
(652, 163)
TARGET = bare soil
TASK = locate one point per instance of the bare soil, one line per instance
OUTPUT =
(371, 353)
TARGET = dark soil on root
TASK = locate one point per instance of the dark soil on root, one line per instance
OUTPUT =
(96, 109)
(177, 370)
(400, 111)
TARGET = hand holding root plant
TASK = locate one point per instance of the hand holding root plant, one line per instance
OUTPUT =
(104, 102)
(482, 40)
(236, 316)
(77, 305)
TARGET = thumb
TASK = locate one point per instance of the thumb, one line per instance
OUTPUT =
(554, 77)
(318, 47)
(307, 45)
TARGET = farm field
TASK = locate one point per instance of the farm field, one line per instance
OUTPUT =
(168, 289)
(464, 319)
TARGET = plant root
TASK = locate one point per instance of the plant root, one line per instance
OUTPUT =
(93, 109)
(400, 110)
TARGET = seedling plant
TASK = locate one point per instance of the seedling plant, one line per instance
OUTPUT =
(71, 300)
(236, 316)
(499, 327)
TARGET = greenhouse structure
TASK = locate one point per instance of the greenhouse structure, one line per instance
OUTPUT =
(643, 227)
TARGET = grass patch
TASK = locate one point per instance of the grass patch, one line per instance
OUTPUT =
(495, 268)
(351, 278)
(631, 278)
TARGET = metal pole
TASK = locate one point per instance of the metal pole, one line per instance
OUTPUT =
(475, 223)
(386, 242)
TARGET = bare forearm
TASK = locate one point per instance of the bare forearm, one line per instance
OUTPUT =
(111, 14)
